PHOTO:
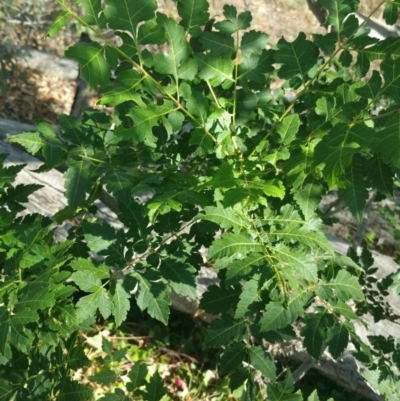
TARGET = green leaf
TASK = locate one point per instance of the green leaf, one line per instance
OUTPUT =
(72, 391)
(87, 265)
(380, 175)
(253, 42)
(303, 263)
(86, 281)
(137, 376)
(218, 43)
(94, 68)
(179, 49)
(249, 298)
(234, 244)
(297, 58)
(194, 13)
(262, 361)
(124, 88)
(120, 301)
(181, 277)
(239, 376)
(155, 389)
(224, 331)
(308, 198)
(288, 128)
(153, 295)
(31, 141)
(4, 328)
(126, 15)
(356, 194)
(218, 299)
(391, 13)
(338, 11)
(233, 22)
(232, 358)
(390, 69)
(314, 333)
(6, 390)
(387, 141)
(76, 184)
(93, 13)
(338, 340)
(225, 217)
(215, 68)
(275, 317)
(242, 268)
(105, 377)
(58, 24)
(345, 286)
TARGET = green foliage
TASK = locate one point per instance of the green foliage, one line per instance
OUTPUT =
(229, 165)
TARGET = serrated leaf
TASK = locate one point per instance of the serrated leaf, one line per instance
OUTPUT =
(253, 42)
(94, 68)
(356, 194)
(249, 298)
(106, 377)
(303, 263)
(239, 376)
(232, 358)
(234, 244)
(181, 277)
(137, 376)
(120, 301)
(31, 141)
(262, 361)
(76, 183)
(155, 389)
(233, 22)
(107, 346)
(255, 68)
(225, 217)
(338, 338)
(387, 141)
(223, 331)
(4, 328)
(218, 43)
(242, 268)
(87, 265)
(215, 68)
(308, 198)
(126, 15)
(69, 390)
(296, 58)
(153, 296)
(345, 286)
(288, 128)
(314, 334)
(86, 281)
(218, 299)
(380, 175)
(123, 89)
(194, 13)
(275, 317)
(179, 49)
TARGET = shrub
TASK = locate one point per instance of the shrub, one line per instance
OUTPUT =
(229, 164)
